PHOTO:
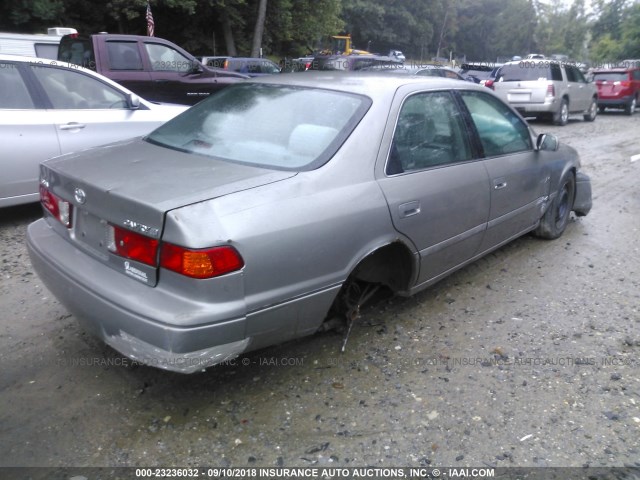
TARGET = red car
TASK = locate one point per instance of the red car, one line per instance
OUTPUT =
(618, 88)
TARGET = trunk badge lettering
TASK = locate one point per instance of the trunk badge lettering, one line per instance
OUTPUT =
(80, 196)
(140, 228)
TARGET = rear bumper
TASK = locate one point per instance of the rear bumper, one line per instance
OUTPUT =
(531, 109)
(124, 313)
(619, 102)
(582, 202)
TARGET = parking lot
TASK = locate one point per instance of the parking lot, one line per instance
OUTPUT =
(528, 357)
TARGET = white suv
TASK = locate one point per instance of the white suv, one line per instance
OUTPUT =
(546, 89)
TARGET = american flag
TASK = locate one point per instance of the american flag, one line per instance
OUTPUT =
(151, 26)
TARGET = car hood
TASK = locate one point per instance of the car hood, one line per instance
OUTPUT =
(134, 178)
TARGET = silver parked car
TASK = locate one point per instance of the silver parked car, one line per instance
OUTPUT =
(48, 108)
(246, 220)
(546, 89)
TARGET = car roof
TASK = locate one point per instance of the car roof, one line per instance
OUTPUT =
(370, 84)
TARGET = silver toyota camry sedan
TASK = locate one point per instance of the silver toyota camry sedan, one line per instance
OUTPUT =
(257, 214)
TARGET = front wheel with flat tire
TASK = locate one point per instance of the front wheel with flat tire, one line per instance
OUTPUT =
(554, 222)
(561, 117)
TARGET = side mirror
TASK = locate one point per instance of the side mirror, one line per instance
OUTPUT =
(548, 142)
(133, 101)
(196, 67)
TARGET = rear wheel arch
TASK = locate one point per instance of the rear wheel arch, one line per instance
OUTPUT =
(391, 265)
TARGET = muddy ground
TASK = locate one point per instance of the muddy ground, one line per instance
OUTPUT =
(528, 357)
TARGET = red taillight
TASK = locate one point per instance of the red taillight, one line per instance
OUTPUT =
(551, 91)
(625, 83)
(225, 65)
(203, 263)
(206, 263)
(59, 208)
(128, 244)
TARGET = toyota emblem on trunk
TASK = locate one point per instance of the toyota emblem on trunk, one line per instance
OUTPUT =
(80, 196)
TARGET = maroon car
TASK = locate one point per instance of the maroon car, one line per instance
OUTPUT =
(618, 88)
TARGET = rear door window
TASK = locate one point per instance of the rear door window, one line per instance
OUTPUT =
(429, 133)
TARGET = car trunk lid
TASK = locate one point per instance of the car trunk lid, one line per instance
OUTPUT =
(157, 180)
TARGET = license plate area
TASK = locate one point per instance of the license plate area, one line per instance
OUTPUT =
(519, 97)
(91, 233)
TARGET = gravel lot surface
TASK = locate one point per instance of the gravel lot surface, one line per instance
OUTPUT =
(528, 357)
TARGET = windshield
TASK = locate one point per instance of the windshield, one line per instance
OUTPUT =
(272, 126)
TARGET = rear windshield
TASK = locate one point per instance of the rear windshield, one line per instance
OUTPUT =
(271, 126)
(526, 71)
(610, 77)
(77, 50)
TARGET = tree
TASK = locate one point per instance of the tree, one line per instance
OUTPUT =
(562, 30)
(631, 32)
(259, 28)
(409, 25)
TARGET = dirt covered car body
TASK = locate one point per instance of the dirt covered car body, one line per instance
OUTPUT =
(245, 220)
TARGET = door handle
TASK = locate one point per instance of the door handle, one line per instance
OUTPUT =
(409, 209)
(72, 126)
(499, 184)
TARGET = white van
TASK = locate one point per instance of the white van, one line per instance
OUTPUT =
(34, 45)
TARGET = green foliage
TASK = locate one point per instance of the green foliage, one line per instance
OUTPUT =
(631, 32)
(562, 30)
(489, 29)
(616, 31)
(605, 49)
(478, 29)
(30, 15)
(413, 26)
